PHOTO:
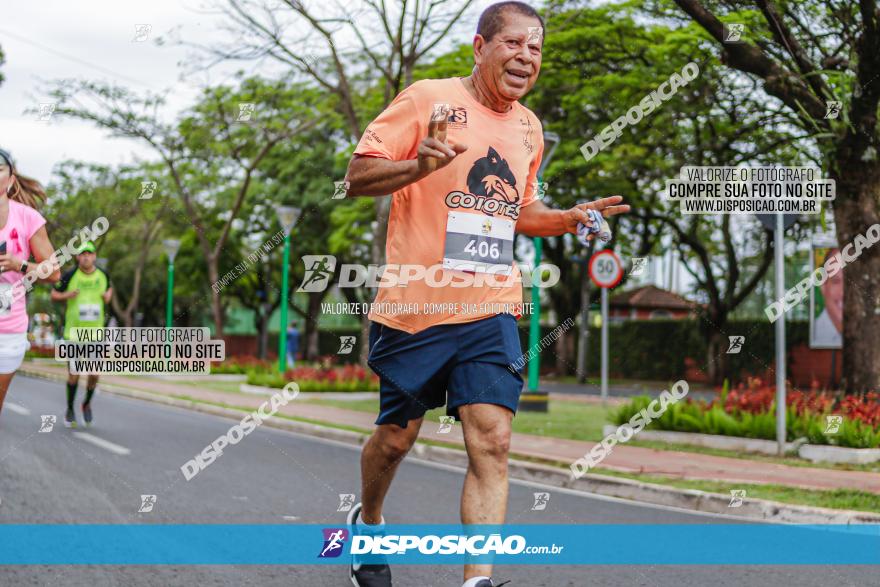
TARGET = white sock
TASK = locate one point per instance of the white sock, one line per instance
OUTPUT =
(370, 528)
(472, 582)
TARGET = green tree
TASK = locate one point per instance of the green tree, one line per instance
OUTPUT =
(804, 55)
(213, 153)
(81, 193)
(597, 65)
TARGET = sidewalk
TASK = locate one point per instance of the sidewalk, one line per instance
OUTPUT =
(630, 459)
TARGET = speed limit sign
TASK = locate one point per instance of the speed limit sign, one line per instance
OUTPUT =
(605, 268)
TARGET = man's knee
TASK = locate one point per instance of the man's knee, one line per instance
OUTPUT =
(487, 431)
(395, 442)
(491, 443)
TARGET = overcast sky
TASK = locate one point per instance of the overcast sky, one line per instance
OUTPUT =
(54, 39)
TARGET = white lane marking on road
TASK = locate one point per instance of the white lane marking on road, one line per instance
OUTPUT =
(18, 409)
(100, 442)
(291, 518)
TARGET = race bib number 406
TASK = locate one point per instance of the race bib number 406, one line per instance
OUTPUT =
(478, 243)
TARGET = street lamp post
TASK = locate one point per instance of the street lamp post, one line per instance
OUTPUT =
(287, 216)
(551, 141)
(171, 247)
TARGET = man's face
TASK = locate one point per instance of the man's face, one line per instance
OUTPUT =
(509, 63)
(86, 260)
(832, 291)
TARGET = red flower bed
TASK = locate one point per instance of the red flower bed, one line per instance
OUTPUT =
(331, 374)
(756, 397)
(862, 407)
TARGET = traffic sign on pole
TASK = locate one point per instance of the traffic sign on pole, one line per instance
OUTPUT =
(606, 268)
(606, 271)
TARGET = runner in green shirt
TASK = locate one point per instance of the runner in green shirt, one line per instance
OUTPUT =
(85, 289)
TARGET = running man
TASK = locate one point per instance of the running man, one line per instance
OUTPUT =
(457, 200)
(85, 289)
(23, 234)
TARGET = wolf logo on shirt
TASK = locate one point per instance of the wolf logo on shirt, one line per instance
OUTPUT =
(491, 176)
(491, 188)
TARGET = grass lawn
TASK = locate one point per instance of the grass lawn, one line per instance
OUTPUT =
(227, 386)
(571, 420)
(791, 461)
(636, 383)
(843, 499)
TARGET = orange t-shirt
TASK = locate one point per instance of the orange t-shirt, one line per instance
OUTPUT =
(494, 178)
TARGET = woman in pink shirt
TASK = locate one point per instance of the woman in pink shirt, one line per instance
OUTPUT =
(22, 234)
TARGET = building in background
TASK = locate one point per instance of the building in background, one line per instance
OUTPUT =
(650, 302)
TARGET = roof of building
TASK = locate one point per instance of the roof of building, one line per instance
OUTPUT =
(653, 297)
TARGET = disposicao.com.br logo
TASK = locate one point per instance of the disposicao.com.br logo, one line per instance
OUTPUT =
(320, 269)
(450, 544)
(334, 542)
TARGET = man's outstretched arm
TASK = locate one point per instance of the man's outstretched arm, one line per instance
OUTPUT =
(538, 220)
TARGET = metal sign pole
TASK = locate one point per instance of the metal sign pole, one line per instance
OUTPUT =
(604, 345)
(583, 329)
(780, 339)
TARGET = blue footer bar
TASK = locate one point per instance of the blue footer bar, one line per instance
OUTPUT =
(570, 544)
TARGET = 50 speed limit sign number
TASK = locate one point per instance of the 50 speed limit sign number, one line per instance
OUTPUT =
(606, 269)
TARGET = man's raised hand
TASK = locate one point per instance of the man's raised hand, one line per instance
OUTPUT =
(434, 152)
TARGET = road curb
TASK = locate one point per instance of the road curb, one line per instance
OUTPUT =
(690, 499)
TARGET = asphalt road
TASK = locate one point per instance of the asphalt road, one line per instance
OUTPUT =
(276, 477)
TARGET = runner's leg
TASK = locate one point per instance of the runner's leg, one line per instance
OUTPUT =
(380, 458)
(72, 383)
(486, 429)
(5, 380)
(91, 384)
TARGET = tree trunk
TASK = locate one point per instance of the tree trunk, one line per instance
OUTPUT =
(216, 306)
(564, 354)
(264, 313)
(856, 208)
(716, 355)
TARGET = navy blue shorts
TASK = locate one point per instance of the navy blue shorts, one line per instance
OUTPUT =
(451, 364)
